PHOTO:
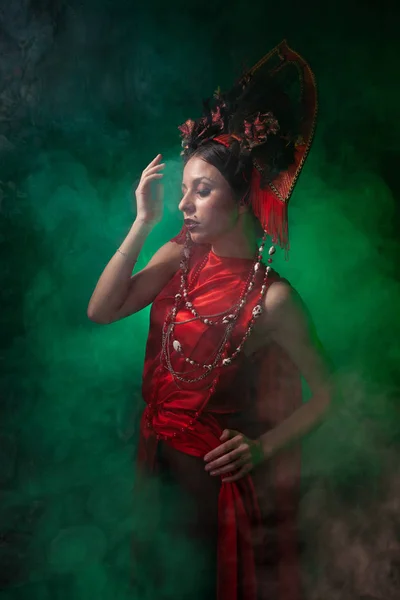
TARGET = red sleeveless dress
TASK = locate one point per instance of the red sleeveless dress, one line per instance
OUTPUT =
(252, 395)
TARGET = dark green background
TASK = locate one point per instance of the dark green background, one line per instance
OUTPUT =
(90, 92)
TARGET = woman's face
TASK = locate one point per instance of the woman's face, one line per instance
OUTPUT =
(209, 207)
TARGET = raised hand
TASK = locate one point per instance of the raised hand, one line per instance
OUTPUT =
(150, 192)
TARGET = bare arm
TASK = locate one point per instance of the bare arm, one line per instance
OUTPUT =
(286, 322)
(118, 294)
(291, 327)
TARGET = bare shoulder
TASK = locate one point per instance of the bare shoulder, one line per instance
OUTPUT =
(281, 299)
(285, 312)
(280, 296)
(279, 293)
(169, 254)
(289, 324)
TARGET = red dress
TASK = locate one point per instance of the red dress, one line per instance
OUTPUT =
(252, 395)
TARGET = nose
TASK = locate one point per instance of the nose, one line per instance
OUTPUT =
(186, 205)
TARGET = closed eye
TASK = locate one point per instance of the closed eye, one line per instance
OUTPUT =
(202, 193)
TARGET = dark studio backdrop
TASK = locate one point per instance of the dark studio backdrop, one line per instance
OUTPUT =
(90, 92)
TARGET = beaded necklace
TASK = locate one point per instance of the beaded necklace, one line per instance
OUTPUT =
(227, 317)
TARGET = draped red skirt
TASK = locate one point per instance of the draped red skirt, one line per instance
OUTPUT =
(245, 532)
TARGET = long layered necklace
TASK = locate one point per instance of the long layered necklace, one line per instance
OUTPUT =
(228, 317)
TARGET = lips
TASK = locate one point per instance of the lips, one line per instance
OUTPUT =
(190, 223)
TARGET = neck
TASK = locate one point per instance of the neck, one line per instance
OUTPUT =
(240, 242)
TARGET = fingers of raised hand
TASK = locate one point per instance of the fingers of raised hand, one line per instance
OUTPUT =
(154, 162)
(146, 181)
(150, 170)
(152, 173)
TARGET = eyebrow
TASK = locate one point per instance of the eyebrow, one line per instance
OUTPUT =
(199, 179)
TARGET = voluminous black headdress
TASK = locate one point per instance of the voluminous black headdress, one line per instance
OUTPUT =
(270, 116)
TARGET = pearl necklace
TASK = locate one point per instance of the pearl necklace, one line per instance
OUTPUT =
(227, 317)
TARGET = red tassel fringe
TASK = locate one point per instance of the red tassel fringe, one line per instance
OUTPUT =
(270, 211)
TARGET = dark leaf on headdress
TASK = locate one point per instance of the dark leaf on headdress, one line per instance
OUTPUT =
(259, 128)
(261, 113)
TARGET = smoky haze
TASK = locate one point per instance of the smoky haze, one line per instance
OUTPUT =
(90, 92)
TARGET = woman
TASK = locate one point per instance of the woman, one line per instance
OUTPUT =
(228, 336)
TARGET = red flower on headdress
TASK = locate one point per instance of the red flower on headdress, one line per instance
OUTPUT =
(256, 131)
(186, 128)
(194, 133)
(217, 117)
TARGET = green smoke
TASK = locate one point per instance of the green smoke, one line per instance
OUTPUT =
(90, 93)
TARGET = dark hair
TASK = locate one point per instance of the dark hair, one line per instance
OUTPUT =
(235, 167)
(240, 103)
